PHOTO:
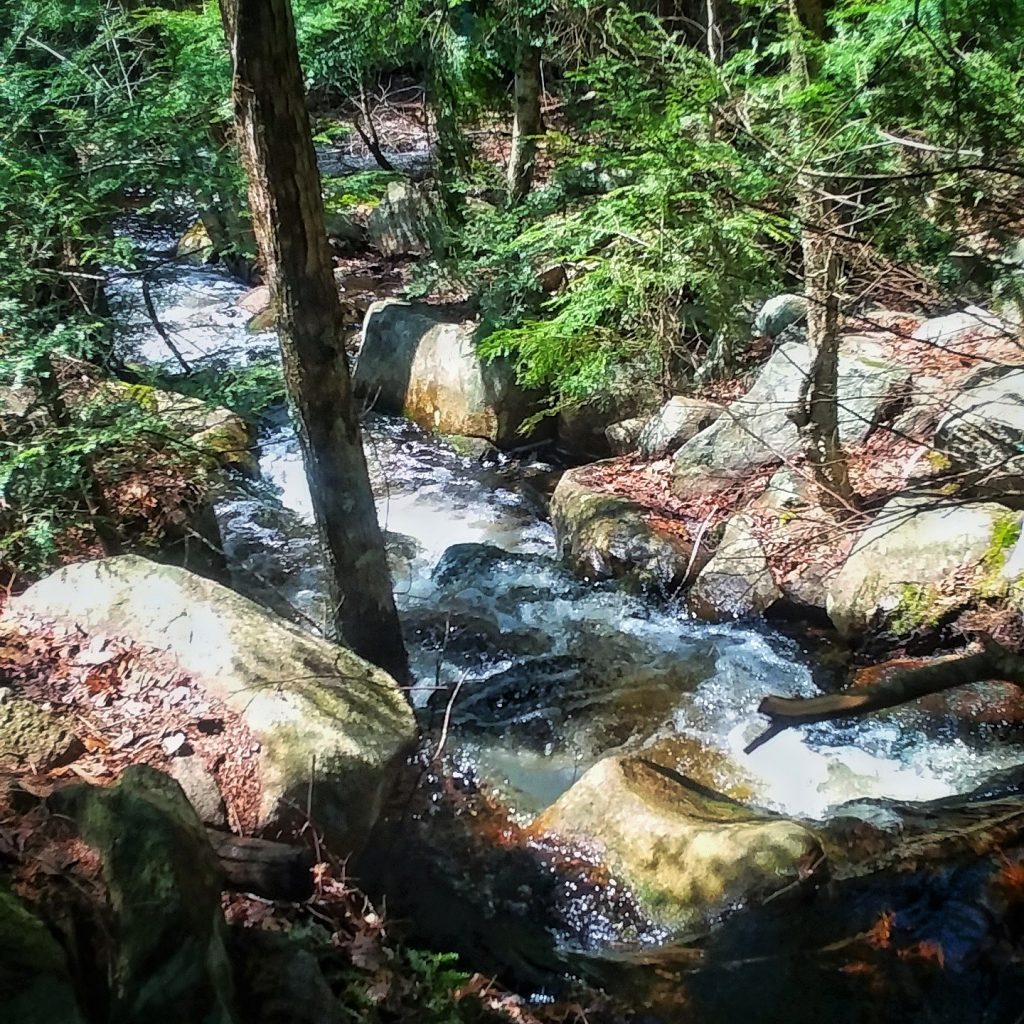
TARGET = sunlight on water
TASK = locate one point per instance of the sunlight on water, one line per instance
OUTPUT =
(554, 673)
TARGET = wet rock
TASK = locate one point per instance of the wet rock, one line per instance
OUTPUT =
(464, 564)
(402, 551)
(470, 639)
(675, 423)
(405, 222)
(304, 699)
(778, 313)
(195, 245)
(920, 559)
(622, 437)
(687, 853)
(982, 433)
(737, 581)
(420, 361)
(605, 536)
(31, 738)
(756, 430)
(171, 963)
(201, 788)
(35, 984)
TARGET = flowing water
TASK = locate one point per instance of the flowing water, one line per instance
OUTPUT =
(540, 673)
(552, 672)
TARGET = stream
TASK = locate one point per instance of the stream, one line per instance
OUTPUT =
(549, 673)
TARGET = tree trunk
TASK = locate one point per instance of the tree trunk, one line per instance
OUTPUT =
(288, 217)
(818, 414)
(527, 123)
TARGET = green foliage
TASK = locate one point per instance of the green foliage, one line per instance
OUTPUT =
(362, 188)
(249, 390)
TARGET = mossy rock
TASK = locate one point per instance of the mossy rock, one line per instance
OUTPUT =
(35, 985)
(687, 853)
(920, 560)
(31, 738)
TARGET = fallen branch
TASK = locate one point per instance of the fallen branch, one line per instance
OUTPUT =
(993, 661)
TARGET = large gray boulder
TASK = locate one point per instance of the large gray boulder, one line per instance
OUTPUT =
(920, 559)
(678, 420)
(687, 853)
(420, 361)
(405, 222)
(756, 430)
(737, 581)
(982, 433)
(305, 700)
(955, 328)
(606, 536)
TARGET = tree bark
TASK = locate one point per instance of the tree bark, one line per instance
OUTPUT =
(288, 217)
(817, 416)
(993, 662)
(527, 123)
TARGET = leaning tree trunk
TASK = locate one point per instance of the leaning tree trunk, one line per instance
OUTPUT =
(527, 123)
(817, 416)
(288, 217)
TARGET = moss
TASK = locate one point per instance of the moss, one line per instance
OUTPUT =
(918, 606)
(1005, 534)
(939, 460)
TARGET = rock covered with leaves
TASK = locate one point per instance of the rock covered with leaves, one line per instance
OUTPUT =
(331, 729)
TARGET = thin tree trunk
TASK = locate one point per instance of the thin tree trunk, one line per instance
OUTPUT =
(713, 32)
(288, 217)
(527, 123)
(818, 414)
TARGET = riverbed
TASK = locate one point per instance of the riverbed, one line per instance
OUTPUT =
(535, 674)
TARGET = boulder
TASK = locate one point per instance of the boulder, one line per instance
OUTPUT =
(920, 559)
(982, 433)
(604, 536)
(255, 300)
(305, 700)
(622, 437)
(581, 429)
(195, 245)
(405, 222)
(199, 785)
(420, 361)
(737, 581)
(675, 423)
(778, 313)
(164, 881)
(756, 430)
(948, 331)
(31, 738)
(687, 853)
(225, 435)
(35, 984)
(346, 228)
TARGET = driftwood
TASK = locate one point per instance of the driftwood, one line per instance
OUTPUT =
(993, 661)
(273, 870)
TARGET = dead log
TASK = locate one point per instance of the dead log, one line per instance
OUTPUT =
(993, 661)
(276, 871)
